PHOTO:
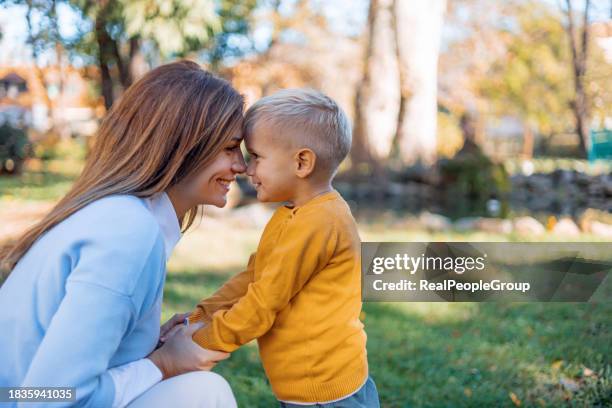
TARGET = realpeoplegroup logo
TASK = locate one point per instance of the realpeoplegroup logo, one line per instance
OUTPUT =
(494, 271)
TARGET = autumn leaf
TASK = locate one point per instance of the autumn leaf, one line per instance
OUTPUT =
(569, 384)
(515, 400)
(587, 372)
(556, 365)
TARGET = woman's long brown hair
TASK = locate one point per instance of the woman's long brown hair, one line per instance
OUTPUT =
(166, 126)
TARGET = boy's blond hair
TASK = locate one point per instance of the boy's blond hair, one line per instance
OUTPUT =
(305, 118)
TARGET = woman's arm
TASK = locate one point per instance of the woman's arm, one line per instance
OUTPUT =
(110, 284)
(84, 334)
(132, 379)
(178, 356)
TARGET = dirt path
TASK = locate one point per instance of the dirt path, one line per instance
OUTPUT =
(17, 216)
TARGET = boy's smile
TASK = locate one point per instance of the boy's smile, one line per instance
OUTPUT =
(271, 166)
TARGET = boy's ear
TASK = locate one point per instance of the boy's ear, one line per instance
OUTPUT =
(305, 161)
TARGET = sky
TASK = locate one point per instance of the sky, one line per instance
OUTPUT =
(13, 47)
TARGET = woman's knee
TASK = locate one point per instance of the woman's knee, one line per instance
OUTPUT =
(214, 389)
(198, 389)
(213, 379)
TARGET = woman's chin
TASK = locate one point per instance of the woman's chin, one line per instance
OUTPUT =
(219, 202)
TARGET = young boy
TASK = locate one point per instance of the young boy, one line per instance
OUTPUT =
(300, 294)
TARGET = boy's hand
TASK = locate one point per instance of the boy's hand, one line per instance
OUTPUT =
(176, 320)
(175, 329)
(180, 354)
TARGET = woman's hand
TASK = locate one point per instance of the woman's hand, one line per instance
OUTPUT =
(180, 354)
(177, 319)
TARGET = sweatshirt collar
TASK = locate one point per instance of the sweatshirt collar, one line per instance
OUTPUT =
(163, 211)
(330, 195)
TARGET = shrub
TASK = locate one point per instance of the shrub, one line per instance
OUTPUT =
(14, 149)
(472, 173)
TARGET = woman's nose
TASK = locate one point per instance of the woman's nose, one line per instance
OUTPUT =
(239, 166)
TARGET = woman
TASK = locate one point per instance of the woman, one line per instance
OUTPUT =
(82, 303)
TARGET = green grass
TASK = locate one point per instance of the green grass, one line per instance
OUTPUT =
(455, 355)
(35, 186)
(41, 181)
(428, 354)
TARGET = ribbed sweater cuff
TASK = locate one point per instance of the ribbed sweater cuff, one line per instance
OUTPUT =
(198, 315)
(201, 337)
(205, 339)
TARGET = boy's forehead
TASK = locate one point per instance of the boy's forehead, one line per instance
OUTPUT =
(261, 132)
(250, 139)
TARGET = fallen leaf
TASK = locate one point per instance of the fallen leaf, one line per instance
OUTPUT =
(550, 223)
(587, 372)
(515, 400)
(569, 384)
(467, 392)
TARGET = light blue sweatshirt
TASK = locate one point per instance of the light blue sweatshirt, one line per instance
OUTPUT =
(85, 298)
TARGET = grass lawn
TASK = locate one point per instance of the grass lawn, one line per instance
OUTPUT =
(420, 354)
(427, 354)
(42, 181)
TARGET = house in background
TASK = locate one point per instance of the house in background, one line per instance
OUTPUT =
(15, 106)
(50, 99)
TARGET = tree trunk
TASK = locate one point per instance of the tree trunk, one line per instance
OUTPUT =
(580, 104)
(38, 70)
(137, 64)
(377, 101)
(104, 55)
(528, 142)
(418, 26)
(125, 76)
(63, 127)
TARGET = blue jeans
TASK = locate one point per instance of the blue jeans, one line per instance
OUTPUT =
(366, 397)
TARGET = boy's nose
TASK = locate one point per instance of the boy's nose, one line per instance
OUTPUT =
(250, 170)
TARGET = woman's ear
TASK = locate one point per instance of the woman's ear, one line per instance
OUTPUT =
(305, 161)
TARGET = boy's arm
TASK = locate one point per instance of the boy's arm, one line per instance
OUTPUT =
(225, 296)
(302, 249)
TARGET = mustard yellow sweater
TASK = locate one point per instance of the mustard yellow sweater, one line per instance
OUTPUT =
(300, 297)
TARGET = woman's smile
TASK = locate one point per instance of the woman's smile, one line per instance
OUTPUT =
(225, 183)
